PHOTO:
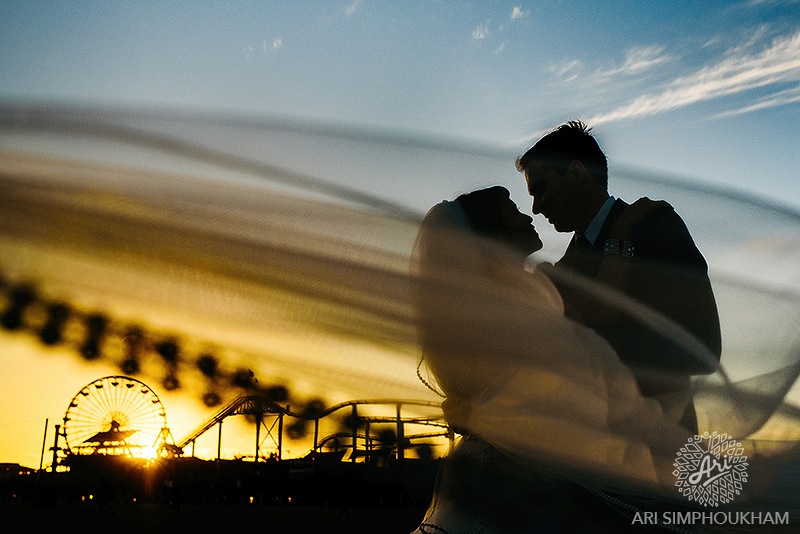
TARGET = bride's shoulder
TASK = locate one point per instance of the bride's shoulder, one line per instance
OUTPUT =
(542, 287)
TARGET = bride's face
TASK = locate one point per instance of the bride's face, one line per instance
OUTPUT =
(521, 233)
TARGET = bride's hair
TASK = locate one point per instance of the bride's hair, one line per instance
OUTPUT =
(480, 208)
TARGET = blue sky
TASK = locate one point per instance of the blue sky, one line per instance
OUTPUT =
(705, 90)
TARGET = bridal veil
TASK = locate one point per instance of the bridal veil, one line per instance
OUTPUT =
(263, 245)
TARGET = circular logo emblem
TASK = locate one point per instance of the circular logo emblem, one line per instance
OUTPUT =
(711, 469)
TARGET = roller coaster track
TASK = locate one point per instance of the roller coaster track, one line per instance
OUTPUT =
(246, 404)
(256, 405)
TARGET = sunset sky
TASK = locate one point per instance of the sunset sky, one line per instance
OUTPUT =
(704, 92)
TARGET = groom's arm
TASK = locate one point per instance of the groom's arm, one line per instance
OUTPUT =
(671, 276)
(665, 272)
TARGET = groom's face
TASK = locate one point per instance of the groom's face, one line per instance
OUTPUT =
(555, 196)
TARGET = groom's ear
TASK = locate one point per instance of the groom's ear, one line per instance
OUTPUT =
(576, 171)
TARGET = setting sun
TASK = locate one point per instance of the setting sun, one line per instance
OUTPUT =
(149, 453)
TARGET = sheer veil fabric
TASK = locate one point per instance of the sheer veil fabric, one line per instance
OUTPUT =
(343, 292)
(543, 389)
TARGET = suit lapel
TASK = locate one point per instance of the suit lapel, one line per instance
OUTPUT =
(616, 210)
(587, 259)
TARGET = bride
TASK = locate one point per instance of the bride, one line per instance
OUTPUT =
(540, 400)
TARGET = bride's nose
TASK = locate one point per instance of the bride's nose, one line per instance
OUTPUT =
(522, 219)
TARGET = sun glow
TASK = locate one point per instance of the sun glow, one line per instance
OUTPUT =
(149, 453)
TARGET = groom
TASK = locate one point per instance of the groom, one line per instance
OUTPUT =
(643, 250)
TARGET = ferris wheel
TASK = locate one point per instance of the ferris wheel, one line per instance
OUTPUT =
(115, 415)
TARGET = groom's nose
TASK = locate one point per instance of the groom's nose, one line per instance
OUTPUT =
(536, 208)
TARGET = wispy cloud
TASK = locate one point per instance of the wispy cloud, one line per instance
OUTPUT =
(758, 3)
(481, 32)
(253, 52)
(351, 8)
(519, 13)
(742, 70)
(781, 98)
(637, 60)
(567, 70)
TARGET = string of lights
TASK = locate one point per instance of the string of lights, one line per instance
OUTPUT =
(96, 336)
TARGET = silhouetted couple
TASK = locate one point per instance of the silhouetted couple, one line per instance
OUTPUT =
(578, 371)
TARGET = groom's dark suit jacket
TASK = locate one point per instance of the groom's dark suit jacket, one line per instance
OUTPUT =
(668, 274)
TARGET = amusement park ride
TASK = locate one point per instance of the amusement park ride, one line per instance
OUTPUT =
(123, 416)
(116, 415)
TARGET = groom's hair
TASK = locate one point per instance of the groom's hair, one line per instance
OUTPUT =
(570, 141)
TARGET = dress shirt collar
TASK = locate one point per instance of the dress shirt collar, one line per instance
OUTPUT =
(593, 230)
